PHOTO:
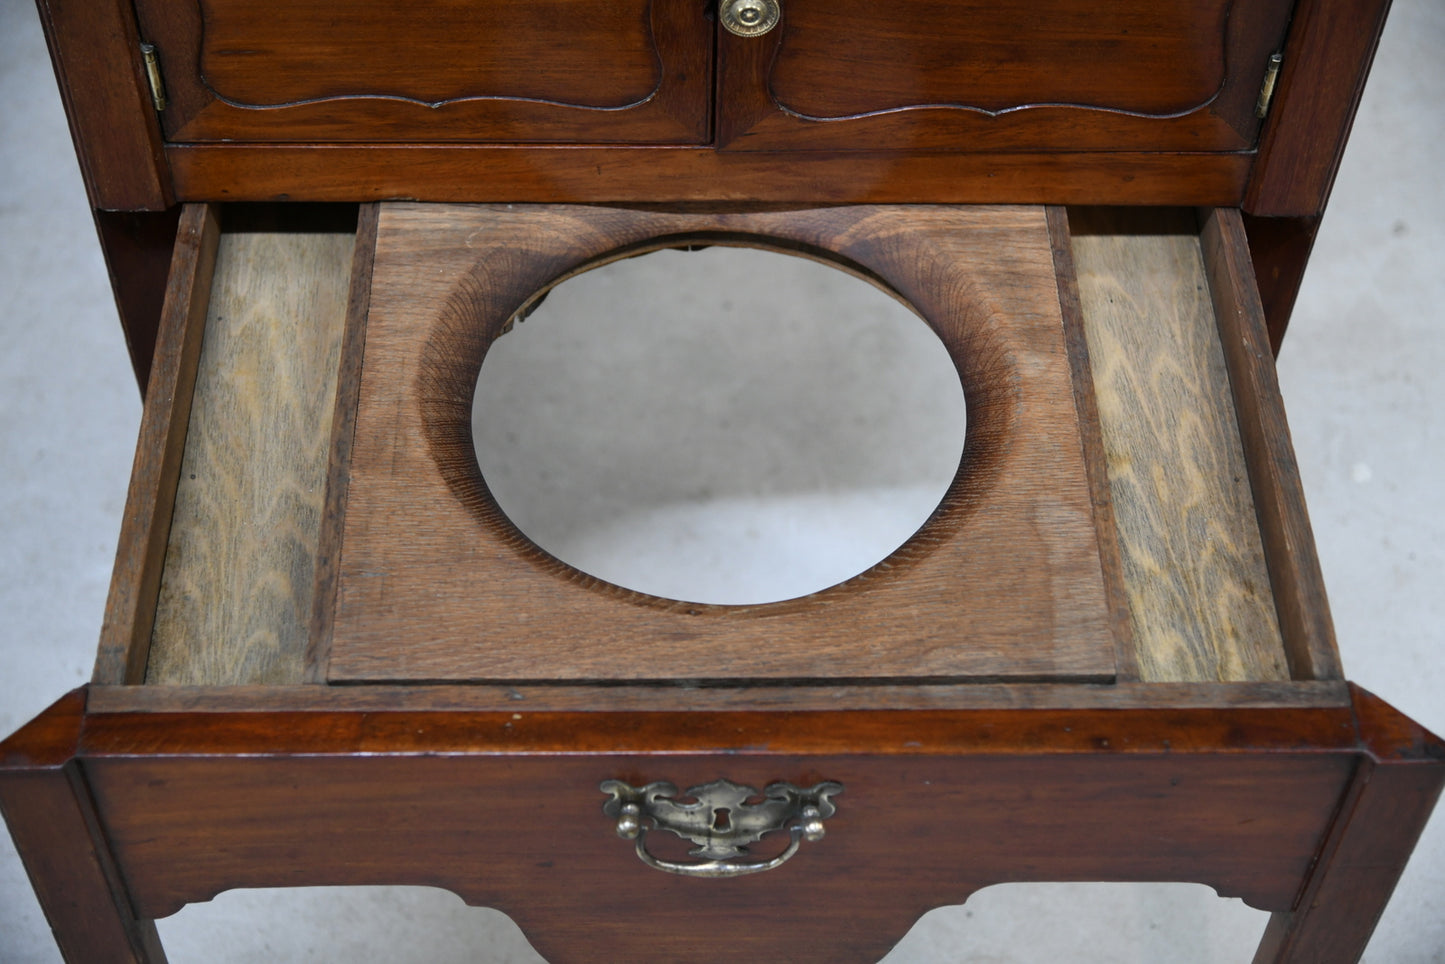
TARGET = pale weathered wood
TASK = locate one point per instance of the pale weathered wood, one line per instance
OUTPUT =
(1289, 543)
(472, 697)
(1200, 592)
(1003, 582)
(126, 631)
(1126, 659)
(235, 598)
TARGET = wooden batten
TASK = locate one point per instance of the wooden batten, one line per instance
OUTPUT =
(343, 429)
(655, 175)
(1289, 545)
(471, 697)
(1126, 657)
(129, 610)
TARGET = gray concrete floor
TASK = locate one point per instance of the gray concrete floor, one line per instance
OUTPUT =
(1359, 373)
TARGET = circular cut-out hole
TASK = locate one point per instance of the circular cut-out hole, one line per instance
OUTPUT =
(727, 426)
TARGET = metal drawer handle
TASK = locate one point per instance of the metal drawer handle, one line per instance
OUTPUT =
(720, 820)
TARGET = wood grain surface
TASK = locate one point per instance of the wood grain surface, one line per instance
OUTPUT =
(430, 71)
(1201, 601)
(125, 634)
(95, 48)
(1289, 543)
(1126, 660)
(1004, 581)
(235, 598)
(1051, 75)
(343, 430)
(51, 817)
(1329, 50)
(503, 808)
(655, 175)
(1210, 619)
(475, 697)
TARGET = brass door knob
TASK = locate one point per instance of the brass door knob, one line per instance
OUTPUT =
(750, 18)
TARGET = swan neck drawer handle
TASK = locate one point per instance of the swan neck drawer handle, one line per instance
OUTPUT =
(721, 818)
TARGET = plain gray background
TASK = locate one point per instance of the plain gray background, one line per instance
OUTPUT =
(1360, 377)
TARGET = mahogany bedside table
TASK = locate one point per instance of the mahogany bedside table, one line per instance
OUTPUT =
(329, 659)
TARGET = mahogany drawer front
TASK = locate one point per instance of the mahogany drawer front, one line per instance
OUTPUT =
(522, 830)
(499, 800)
(1062, 75)
(636, 71)
(1209, 569)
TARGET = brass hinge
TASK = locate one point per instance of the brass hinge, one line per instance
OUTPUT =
(153, 75)
(1266, 89)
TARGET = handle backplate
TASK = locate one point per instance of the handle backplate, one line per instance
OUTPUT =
(722, 819)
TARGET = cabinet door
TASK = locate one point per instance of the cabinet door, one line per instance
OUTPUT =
(534, 71)
(1046, 75)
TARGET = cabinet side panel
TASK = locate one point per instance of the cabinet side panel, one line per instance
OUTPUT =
(138, 247)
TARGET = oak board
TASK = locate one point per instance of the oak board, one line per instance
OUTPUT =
(1003, 582)
(237, 609)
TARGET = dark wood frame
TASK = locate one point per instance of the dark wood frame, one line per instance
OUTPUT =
(125, 812)
(128, 167)
(676, 110)
(755, 114)
(127, 801)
